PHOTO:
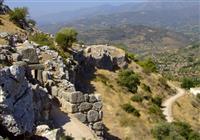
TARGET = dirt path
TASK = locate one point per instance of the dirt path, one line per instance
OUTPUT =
(71, 126)
(167, 104)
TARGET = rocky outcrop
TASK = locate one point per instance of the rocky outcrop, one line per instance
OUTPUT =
(3, 8)
(105, 57)
(22, 104)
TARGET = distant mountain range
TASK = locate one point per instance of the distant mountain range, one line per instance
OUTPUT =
(140, 26)
(171, 15)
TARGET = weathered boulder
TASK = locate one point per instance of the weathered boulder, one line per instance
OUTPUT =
(28, 54)
(85, 106)
(97, 106)
(81, 117)
(16, 101)
(22, 105)
(105, 57)
(69, 107)
(75, 97)
(92, 98)
(92, 116)
(98, 126)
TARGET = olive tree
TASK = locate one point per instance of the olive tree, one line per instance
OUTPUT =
(66, 37)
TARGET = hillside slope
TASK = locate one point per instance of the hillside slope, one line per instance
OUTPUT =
(122, 125)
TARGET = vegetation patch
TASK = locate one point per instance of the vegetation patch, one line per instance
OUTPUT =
(137, 98)
(129, 79)
(174, 131)
(66, 37)
(42, 39)
(146, 88)
(130, 109)
(188, 83)
(148, 65)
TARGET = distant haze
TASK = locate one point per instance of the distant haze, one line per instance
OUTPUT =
(39, 8)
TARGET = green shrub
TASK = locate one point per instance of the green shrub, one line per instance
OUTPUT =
(154, 109)
(18, 14)
(157, 100)
(130, 56)
(174, 131)
(130, 109)
(137, 98)
(146, 88)
(66, 37)
(187, 83)
(42, 39)
(148, 65)
(129, 79)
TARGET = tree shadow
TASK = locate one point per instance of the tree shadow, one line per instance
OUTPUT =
(59, 117)
(109, 136)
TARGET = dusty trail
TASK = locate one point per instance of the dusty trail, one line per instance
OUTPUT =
(167, 104)
(71, 126)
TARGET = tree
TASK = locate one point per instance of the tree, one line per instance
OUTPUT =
(18, 14)
(66, 37)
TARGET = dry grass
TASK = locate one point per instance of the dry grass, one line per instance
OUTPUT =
(9, 27)
(184, 110)
(3, 41)
(119, 123)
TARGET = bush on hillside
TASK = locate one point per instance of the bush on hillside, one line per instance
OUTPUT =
(19, 17)
(137, 98)
(148, 65)
(129, 79)
(66, 37)
(42, 39)
(157, 100)
(175, 131)
(18, 14)
(130, 109)
(146, 88)
(187, 83)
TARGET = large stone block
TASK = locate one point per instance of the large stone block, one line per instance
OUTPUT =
(92, 116)
(29, 54)
(81, 117)
(71, 108)
(76, 97)
(92, 98)
(98, 126)
(97, 106)
(85, 106)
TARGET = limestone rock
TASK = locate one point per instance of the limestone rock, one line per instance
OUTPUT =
(98, 126)
(85, 106)
(97, 106)
(28, 54)
(92, 116)
(81, 117)
(105, 57)
(76, 97)
(16, 57)
(92, 98)
(21, 104)
(69, 107)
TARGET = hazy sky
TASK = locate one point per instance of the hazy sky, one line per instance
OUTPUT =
(43, 7)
